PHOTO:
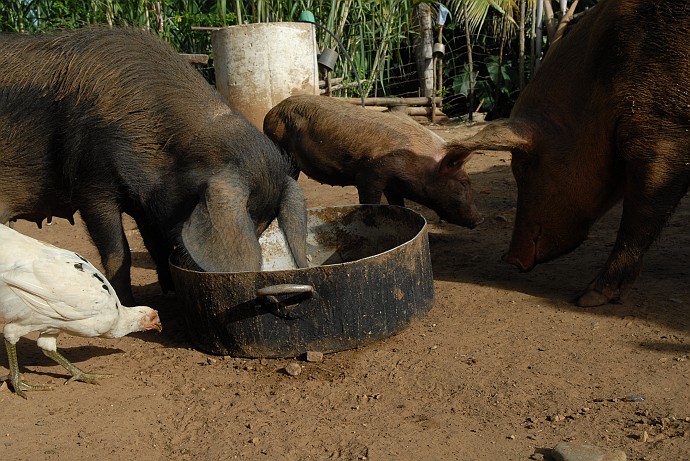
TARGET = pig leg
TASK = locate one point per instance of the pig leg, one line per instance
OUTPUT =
(160, 249)
(104, 223)
(385, 175)
(394, 199)
(648, 203)
(369, 188)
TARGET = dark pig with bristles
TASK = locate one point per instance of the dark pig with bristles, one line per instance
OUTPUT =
(111, 121)
(606, 117)
(341, 144)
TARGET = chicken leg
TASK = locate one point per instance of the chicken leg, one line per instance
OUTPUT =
(18, 385)
(77, 374)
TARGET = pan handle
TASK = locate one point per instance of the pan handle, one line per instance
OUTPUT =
(284, 289)
(298, 304)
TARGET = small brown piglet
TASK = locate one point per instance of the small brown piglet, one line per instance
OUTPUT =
(338, 143)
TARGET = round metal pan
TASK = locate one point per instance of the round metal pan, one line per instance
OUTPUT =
(369, 276)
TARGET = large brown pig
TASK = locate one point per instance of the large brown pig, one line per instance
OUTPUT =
(112, 121)
(341, 144)
(606, 117)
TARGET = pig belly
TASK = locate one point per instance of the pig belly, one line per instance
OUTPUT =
(327, 172)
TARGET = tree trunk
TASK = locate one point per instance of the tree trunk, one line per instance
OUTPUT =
(496, 110)
(533, 38)
(564, 7)
(423, 49)
(539, 21)
(550, 20)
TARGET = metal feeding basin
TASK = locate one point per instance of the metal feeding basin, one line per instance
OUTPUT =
(369, 276)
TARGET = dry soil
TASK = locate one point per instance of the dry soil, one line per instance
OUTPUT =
(503, 367)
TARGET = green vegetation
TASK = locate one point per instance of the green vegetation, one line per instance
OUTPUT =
(378, 35)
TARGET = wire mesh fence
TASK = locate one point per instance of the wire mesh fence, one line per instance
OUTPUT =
(495, 71)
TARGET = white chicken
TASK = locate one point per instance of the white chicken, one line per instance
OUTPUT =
(51, 290)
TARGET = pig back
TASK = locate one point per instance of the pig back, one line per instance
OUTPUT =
(331, 139)
(120, 77)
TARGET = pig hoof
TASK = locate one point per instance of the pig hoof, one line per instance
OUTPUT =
(592, 298)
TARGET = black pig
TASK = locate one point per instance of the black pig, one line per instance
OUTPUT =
(111, 121)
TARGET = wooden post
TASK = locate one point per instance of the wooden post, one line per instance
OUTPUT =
(438, 75)
(470, 67)
(393, 101)
(194, 58)
(433, 100)
(423, 48)
(521, 46)
(440, 64)
(327, 78)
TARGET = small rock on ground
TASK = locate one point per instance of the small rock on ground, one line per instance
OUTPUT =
(313, 356)
(571, 452)
(293, 368)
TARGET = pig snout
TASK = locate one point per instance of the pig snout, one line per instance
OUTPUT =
(522, 264)
(469, 218)
(474, 220)
(533, 245)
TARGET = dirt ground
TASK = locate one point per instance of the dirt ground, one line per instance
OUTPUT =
(503, 367)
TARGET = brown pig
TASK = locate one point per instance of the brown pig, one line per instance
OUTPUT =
(606, 117)
(341, 144)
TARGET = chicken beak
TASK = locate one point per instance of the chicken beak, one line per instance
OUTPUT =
(158, 327)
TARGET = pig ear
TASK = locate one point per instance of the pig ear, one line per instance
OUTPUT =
(219, 235)
(273, 127)
(292, 218)
(455, 158)
(502, 135)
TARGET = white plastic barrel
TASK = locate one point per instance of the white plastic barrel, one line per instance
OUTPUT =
(259, 65)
